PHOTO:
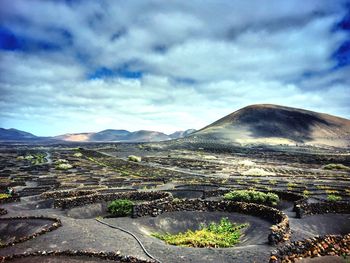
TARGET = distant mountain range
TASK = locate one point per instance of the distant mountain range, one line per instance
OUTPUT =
(102, 136)
(273, 124)
(256, 124)
(14, 135)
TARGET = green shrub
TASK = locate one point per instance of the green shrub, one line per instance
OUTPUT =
(306, 193)
(78, 154)
(120, 207)
(63, 166)
(333, 198)
(252, 197)
(222, 234)
(336, 166)
(134, 158)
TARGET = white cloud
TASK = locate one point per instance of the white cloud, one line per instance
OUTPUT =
(236, 55)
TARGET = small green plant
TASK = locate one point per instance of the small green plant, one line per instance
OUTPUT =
(329, 191)
(78, 154)
(252, 196)
(120, 207)
(333, 198)
(306, 193)
(134, 158)
(222, 234)
(255, 181)
(63, 166)
(4, 196)
(336, 166)
(291, 185)
(273, 182)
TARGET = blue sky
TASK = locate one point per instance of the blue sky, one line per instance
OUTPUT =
(74, 66)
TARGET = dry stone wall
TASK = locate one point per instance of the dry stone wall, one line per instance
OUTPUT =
(279, 231)
(333, 245)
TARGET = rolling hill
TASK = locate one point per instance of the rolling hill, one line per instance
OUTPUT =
(274, 124)
(111, 135)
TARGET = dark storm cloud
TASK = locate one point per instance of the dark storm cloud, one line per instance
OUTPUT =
(89, 65)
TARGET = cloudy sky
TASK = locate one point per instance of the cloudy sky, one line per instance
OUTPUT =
(73, 66)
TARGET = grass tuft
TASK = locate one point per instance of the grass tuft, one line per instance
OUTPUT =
(336, 166)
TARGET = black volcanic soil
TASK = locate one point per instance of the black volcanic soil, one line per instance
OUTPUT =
(58, 259)
(320, 225)
(11, 230)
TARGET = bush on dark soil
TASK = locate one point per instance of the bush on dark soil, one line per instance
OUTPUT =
(120, 207)
(252, 197)
(222, 234)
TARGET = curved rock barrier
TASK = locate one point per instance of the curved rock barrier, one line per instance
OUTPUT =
(76, 253)
(285, 195)
(13, 198)
(94, 198)
(67, 193)
(279, 231)
(333, 245)
(56, 224)
(304, 208)
(3, 211)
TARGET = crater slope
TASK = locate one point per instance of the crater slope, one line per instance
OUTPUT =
(274, 124)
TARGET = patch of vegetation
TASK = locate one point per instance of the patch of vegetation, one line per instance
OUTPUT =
(291, 185)
(4, 196)
(322, 187)
(257, 172)
(252, 197)
(35, 159)
(329, 191)
(63, 166)
(306, 193)
(39, 158)
(78, 154)
(333, 198)
(273, 182)
(246, 163)
(29, 157)
(120, 207)
(336, 166)
(222, 234)
(255, 181)
(134, 158)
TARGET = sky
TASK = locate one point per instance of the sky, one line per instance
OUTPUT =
(83, 66)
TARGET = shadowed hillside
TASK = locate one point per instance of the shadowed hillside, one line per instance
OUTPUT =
(273, 124)
(14, 134)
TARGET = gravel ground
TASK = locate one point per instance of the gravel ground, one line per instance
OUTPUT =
(58, 259)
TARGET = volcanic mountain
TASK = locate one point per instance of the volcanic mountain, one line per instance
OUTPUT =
(15, 135)
(274, 124)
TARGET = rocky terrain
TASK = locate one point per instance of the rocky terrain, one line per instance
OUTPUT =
(174, 188)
